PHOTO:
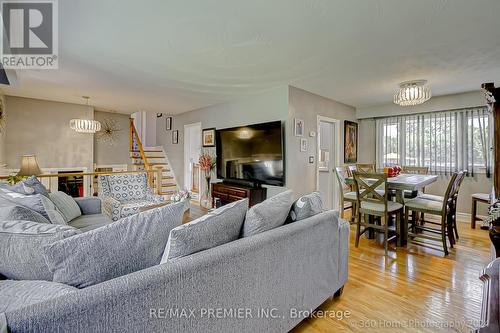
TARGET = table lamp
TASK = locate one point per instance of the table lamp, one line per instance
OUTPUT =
(29, 166)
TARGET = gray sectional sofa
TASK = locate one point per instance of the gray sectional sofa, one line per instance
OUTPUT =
(266, 282)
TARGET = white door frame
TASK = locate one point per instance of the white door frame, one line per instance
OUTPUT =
(187, 143)
(334, 158)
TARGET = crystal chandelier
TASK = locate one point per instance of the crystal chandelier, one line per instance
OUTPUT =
(85, 125)
(412, 93)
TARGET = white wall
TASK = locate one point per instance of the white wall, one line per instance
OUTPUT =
(42, 128)
(268, 106)
(477, 184)
(118, 152)
(3, 129)
(301, 175)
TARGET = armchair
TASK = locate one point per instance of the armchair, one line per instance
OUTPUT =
(124, 194)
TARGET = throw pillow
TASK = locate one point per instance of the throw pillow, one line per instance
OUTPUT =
(21, 248)
(38, 202)
(306, 206)
(15, 212)
(122, 247)
(126, 187)
(268, 214)
(66, 205)
(32, 183)
(218, 227)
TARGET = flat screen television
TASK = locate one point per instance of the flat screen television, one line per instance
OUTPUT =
(252, 154)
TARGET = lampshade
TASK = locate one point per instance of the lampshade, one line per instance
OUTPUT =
(29, 166)
(412, 93)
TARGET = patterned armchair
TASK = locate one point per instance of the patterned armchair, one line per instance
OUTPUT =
(124, 194)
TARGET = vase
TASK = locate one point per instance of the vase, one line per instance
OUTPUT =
(206, 200)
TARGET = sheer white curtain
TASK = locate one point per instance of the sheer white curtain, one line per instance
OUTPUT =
(445, 141)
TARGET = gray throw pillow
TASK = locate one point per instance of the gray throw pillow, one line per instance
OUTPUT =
(38, 202)
(22, 248)
(218, 227)
(306, 206)
(122, 247)
(30, 183)
(15, 212)
(66, 205)
(268, 214)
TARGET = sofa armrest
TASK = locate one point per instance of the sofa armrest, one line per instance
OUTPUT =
(89, 205)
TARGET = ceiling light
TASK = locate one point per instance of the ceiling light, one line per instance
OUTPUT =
(412, 93)
(85, 125)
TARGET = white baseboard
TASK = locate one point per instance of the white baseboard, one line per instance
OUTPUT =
(465, 217)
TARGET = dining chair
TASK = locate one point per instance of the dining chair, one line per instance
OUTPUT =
(443, 209)
(347, 196)
(365, 167)
(350, 169)
(374, 203)
(452, 214)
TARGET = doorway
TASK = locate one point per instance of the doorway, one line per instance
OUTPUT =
(192, 148)
(328, 157)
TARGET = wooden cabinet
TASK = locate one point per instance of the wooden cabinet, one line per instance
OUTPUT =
(229, 193)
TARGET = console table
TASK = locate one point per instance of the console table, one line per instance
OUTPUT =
(229, 193)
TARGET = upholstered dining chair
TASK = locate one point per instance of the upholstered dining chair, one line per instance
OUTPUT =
(348, 199)
(365, 167)
(443, 209)
(452, 214)
(373, 202)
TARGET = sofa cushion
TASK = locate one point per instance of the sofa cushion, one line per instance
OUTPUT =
(38, 202)
(268, 214)
(122, 247)
(16, 212)
(21, 248)
(125, 187)
(90, 222)
(30, 186)
(306, 206)
(66, 205)
(19, 294)
(218, 227)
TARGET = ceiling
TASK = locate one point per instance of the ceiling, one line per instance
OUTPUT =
(175, 56)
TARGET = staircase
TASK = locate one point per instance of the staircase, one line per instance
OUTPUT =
(152, 158)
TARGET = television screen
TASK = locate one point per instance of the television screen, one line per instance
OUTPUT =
(253, 153)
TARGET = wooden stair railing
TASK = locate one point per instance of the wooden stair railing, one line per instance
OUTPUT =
(136, 145)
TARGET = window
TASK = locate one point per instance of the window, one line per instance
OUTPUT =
(445, 141)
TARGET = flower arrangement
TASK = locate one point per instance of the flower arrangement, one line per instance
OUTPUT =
(207, 163)
(180, 196)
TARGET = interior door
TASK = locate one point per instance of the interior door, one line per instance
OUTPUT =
(327, 146)
(192, 148)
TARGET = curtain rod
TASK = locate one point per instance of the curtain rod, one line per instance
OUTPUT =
(426, 112)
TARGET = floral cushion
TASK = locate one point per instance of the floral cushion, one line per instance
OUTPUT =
(124, 187)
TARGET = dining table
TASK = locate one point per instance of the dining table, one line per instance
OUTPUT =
(399, 184)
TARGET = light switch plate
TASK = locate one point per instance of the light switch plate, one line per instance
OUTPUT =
(312, 134)
(311, 159)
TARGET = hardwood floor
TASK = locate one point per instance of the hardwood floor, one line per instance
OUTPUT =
(415, 289)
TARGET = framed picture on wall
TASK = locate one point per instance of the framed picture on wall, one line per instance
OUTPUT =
(208, 137)
(175, 137)
(303, 144)
(169, 123)
(298, 127)
(350, 142)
